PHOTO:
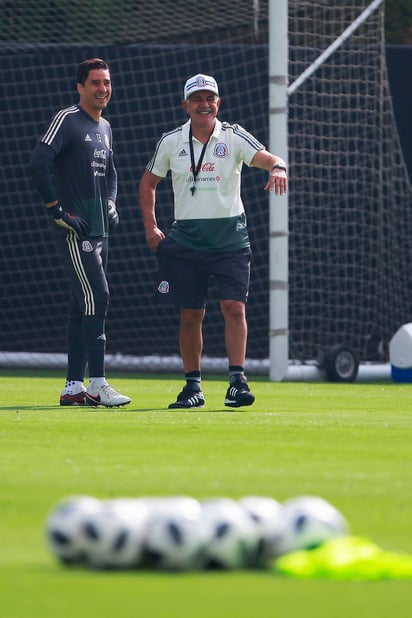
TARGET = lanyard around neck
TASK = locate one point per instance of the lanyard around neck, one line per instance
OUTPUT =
(196, 167)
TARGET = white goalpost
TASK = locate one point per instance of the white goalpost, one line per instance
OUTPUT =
(279, 93)
(278, 210)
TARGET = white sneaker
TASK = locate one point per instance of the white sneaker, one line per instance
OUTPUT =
(106, 395)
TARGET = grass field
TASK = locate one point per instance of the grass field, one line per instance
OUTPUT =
(349, 443)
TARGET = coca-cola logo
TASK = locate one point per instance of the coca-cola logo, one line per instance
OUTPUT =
(205, 167)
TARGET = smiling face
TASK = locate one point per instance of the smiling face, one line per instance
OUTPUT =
(95, 93)
(202, 107)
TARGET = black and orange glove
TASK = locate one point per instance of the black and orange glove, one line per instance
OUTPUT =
(71, 222)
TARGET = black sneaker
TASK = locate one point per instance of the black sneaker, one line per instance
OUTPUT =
(238, 394)
(188, 398)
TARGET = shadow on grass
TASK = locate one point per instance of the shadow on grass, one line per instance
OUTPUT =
(74, 409)
(88, 410)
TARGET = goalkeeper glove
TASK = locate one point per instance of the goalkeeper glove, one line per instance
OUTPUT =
(112, 215)
(76, 224)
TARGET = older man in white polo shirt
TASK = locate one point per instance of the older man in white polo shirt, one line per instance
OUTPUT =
(209, 235)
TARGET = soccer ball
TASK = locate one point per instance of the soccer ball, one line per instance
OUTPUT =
(267, 516)
(113, 537)
(64, 524)
(234, 541)
(309, 521)
(176, 535)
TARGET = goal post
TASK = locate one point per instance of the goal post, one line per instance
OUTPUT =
(279, 93)
(278, 205)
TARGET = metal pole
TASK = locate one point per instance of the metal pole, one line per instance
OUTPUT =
(278, 205)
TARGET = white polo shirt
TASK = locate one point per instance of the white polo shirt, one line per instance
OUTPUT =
(213, 217)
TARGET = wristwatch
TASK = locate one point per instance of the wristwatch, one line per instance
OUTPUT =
(279, 166)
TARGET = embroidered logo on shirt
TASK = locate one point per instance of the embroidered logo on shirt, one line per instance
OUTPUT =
(163, 287)
(221, 150)
(182, 153)
(87, 138)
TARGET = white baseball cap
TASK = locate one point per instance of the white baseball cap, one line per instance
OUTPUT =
(200, 82)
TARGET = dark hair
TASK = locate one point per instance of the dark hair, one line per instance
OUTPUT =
(88, 65)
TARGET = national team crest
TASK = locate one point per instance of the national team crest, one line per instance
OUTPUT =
(221, 150)
(163, 287)
(87, 246)
(200, 81)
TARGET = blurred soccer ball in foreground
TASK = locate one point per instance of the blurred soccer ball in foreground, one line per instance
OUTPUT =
(180, 533)
(234, 539)
(113, 537)
(64, 524)
(268, 518)
(177, 534)
(309, 521)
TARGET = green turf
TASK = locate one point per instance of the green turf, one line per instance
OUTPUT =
(349, 443)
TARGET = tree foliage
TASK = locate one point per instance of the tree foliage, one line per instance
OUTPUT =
(398, 22)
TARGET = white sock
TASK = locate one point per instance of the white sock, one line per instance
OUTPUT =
(73, 387)
(96, 383)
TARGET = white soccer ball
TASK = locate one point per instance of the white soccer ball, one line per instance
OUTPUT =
(176, 535)
(234, 540)
(64, 524)
(309, 522)
(267, 516)
(113, 538)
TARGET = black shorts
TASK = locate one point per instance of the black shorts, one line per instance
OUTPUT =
(184, 274)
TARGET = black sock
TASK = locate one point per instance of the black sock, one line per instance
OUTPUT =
(236, 374)
(193, 379)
